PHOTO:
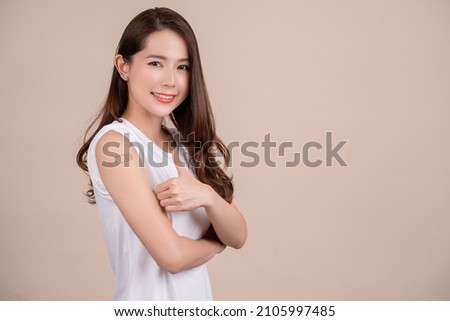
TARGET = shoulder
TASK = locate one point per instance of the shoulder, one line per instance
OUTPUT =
(114, 126)
(113, 148)
(108, 134)
(112, 135)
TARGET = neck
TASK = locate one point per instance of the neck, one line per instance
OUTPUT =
(147, 123)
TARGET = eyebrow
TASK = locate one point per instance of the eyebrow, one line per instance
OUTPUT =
(165, 58)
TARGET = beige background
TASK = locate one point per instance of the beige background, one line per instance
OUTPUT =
(375, 73)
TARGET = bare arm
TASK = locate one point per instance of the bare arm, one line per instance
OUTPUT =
(186, 193)
(130, 189)
(227, 220)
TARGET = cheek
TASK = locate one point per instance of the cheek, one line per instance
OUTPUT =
(148, 78)
(184, 84)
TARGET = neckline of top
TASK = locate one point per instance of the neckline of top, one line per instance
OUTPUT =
(148, 138)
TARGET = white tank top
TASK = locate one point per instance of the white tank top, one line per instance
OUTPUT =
(138, 277)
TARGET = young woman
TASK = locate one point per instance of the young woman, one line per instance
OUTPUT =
(165, 204)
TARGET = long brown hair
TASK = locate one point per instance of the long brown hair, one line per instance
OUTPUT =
(193, 117)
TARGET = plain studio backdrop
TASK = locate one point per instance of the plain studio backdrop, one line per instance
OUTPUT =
(376, 74)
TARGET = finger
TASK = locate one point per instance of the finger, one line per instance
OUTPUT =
(170, 204)
(180, 165)
(166, 202)
(173, 208)
(164, 195)
(161, 187)
(165, 185)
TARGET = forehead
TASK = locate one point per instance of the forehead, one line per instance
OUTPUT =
(166, 43)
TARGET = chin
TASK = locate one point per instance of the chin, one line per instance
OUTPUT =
(161, 112)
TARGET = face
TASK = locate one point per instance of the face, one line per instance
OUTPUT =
(158, 76)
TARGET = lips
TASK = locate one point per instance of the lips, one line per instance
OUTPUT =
(163, 98)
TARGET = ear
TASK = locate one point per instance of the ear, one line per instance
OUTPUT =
(122, 66)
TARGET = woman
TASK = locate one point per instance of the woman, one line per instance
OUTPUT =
(165, 204)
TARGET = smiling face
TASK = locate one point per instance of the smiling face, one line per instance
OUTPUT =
(158, 76)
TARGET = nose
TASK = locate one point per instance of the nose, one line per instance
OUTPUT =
(169, 77)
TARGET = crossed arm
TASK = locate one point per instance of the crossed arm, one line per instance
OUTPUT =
(130, 189)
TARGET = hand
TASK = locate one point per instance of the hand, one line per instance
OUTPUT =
(182, 193)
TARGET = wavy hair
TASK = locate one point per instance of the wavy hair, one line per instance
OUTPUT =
(193, 118)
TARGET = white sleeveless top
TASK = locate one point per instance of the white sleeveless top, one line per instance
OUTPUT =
(138, 277)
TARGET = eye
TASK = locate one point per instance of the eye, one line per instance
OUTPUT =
(184, 67)
(155, 64)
